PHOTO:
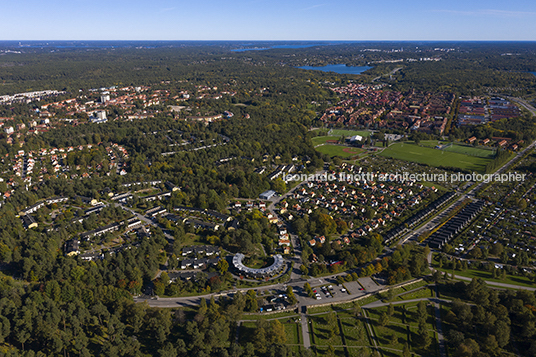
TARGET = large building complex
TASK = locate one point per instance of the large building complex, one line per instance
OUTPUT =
(258, 273)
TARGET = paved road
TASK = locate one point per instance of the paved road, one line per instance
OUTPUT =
(146, 220)
(390, 74)
(371, 331)
(306, 334)
(378, 303)
(526, 105)
(501, 285)
(297, 286)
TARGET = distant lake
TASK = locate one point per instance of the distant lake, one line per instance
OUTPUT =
(338, 68)
(533, 73)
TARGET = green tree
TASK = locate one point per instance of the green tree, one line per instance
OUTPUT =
(222, 266)
(383, 320)
(277, 332)
(423, 334)
(406, 352)
(390, 310)
(260, 340)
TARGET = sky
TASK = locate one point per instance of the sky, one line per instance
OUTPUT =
(344, 20)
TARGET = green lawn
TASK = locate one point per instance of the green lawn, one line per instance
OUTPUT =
(397, 318)
(480, 151)
(415, 285)
(359, 352)
(321, 332)
(338, 150)
(385, 335)
(401, 328)
(369, 299)
(416, 347)
(335, 307)
(472, 151)
(293, 331)
(348, 133)
(258, 262)
(355, 332)
(323, 351)
(409, 151)
(393, 292)
(421, 293)
(191, 239)
(319, 309)
(269, 316)
(486, 275)
(323, 139)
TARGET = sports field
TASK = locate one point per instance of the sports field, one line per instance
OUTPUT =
(434, 157)
(479, 151)
(337, 150)
(471, 151)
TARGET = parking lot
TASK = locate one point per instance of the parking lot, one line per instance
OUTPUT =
(326, 290)
(368, 283)
(354, 288)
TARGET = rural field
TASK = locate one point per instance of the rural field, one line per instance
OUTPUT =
(409, 151)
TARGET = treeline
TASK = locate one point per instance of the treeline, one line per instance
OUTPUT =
(495, 323)
(501, 157)
(69, 318)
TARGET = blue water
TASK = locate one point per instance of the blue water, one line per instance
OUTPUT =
(533, 73)
(338, 68)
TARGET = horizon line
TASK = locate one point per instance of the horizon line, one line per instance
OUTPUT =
(199, 40)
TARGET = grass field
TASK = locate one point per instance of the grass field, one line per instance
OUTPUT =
(474, 273)
(354, 331)
(409, 151)
(479, 151)
(336, 150)
(323, 139)
(401, 328)
(292, 332)
(486, 275)
(424, 292)
(321, 330)
(346, 133)
(471, 151)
